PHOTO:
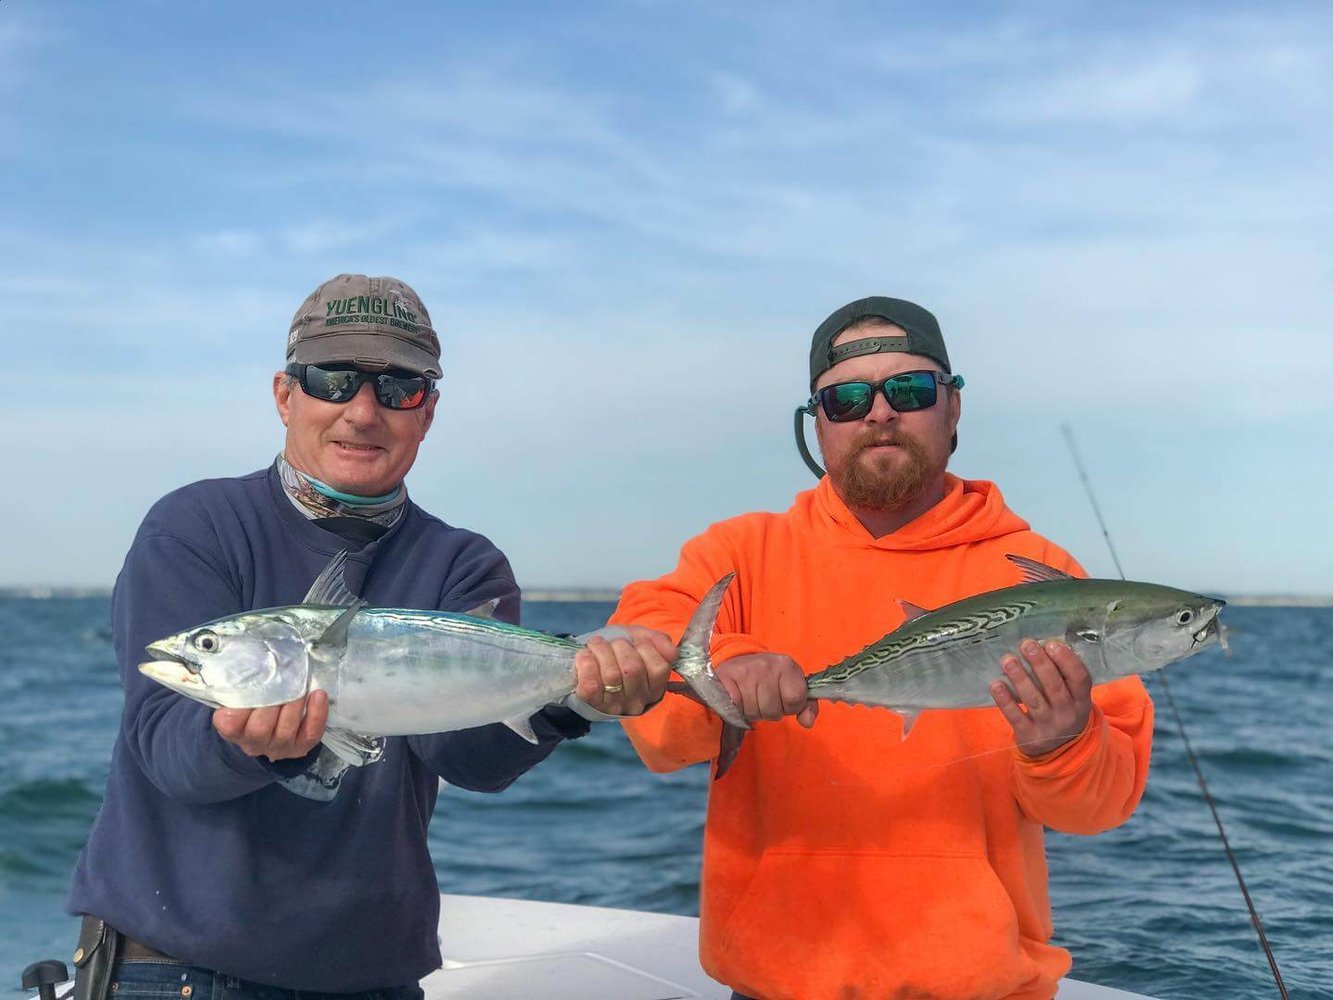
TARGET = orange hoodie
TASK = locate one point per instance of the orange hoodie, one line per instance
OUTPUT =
(841, 861)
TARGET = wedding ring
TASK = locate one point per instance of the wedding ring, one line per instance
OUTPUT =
(613, 688)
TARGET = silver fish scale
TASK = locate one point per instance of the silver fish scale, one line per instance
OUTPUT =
(945, 660)
(949, 657)
(407, 672)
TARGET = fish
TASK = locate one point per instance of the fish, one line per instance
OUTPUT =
(949, 657)
(396, 671)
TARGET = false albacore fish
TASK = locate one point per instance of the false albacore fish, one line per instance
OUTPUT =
(949, 657)
(397, 672)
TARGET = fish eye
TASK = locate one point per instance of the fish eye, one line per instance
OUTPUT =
(1185, 617)
(207, 642)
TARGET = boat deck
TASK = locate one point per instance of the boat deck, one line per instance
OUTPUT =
(506, 949)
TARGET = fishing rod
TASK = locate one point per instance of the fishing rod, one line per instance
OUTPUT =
(1180, 726)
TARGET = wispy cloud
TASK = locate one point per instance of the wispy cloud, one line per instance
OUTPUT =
(1122, 222)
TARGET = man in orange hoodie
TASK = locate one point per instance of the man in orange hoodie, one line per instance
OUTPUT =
(840, 860)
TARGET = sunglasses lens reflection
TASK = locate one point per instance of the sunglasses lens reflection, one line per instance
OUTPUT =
(331, 384)
(909, 393)
(400, 393)
(853, 400)
(339, 385)
(849, 401)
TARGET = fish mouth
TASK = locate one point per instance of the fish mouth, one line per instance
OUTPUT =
(162, 650)
(174, 673)
(171, 672)
(170, 651)
(168, 666)
(1212, 629)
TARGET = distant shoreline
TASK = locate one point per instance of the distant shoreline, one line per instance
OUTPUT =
(561, 595)
(608, 595)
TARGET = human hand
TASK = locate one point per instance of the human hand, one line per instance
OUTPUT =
(625, 676)
(1057, 695)
(280, 732)
(768, 686)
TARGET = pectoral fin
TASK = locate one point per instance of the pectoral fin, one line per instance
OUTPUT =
(335, 636)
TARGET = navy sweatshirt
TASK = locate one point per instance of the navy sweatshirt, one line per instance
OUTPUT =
(196, 850)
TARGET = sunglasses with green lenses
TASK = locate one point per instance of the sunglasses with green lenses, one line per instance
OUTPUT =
(905, 392)
(397, 390)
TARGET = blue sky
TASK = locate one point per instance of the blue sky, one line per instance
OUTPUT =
(627, 219)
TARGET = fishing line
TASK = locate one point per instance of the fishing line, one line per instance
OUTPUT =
(978, 755)
(1180, 726)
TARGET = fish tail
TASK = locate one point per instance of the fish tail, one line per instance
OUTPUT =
(695, 666)
(728, 747)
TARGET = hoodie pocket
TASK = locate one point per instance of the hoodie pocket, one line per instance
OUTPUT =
(816, 924)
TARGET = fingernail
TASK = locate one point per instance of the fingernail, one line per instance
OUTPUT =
(1030, 646)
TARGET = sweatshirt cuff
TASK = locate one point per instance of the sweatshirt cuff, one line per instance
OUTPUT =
(1070, 757)
(556, 721)
(292, 766)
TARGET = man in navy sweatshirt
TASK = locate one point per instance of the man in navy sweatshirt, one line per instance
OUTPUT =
(209, 871)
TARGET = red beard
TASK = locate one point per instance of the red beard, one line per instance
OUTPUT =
(869, 483)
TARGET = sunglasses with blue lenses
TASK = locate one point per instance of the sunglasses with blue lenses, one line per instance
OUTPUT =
(906, 392)
(397, 390)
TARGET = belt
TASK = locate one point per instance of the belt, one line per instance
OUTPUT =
(93, 932)
(132, 950)
(100, 945)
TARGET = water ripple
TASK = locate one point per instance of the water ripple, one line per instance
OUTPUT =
(1152, 906)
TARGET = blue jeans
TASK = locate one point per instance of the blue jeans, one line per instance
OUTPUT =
(137, 979)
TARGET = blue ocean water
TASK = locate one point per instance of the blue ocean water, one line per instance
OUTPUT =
(1152, 906)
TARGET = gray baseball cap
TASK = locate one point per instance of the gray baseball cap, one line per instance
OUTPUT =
(375, 323)
(920, 328)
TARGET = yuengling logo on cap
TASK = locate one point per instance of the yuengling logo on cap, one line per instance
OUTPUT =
(372, 322)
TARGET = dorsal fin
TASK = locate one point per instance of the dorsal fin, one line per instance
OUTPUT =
(330, 587)
(911, 610)
(486, 609)
(1036, 572)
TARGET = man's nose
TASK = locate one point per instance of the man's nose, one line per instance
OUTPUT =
(362, 409)
(880, 410)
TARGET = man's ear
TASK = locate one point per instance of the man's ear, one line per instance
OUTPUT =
(282, 396)
(428, 417)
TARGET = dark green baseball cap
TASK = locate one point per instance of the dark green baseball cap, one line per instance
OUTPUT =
(920, 328)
